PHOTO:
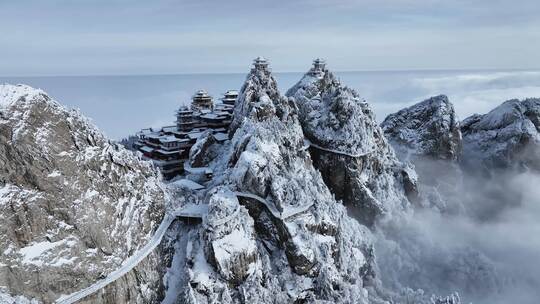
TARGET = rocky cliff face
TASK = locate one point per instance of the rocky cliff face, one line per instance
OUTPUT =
(73, 205)
(350, 150)
(274, 232)
(428, 135)
(506, 137)
(427, 129)
(259, 90)
(231, 244)
(203, 151)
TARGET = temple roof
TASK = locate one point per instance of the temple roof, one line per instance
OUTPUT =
(260, 59)
(201, 94)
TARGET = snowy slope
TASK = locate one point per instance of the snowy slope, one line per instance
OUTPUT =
(429, 128)
(428, 135)
(274, 233)
(508, 136)
(334, 116)
(73, 205)
(349, 148)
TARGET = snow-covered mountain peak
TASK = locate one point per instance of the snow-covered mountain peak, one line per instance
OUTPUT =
(334, 116)
(73, 205)
(429, 128)
(349, 149)
(10, 94)
(272, 221)
(508, 136)
(509, 112)
(428, 135)
(258, 96)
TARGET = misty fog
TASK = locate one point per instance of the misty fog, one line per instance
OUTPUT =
(486, 249)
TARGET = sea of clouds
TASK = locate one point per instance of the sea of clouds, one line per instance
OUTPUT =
(487, 252)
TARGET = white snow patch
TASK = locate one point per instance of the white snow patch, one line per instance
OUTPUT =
(34, 253)
(55, 173)
(186, 183)
(9, 94)
(90, 193)
(203, 270)
(6, 298)
(175, 276)
(5, 194)
(236, 241)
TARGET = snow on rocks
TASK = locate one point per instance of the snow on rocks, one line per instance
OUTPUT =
(349, 148)
(73, 205)
(271, 231)
(334, 116)
(298, 243)
(270, 166)
(5, 298)
(203, 151)
(429, 128)
(188, 184)
(230, 237)
(35, 252)
(259, 98)
(10, 94)
(428, 135)
(506, 137)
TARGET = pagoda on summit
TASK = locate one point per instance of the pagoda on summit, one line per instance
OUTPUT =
(260, 64)
(319, 65)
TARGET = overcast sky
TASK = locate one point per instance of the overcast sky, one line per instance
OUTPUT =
(65, 37)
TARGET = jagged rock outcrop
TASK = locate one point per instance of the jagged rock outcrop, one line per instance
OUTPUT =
(73, 205)
(259, 90)
(230, 237)
(203, 151)
(300, 244)
(428, 135)
(349, 149)
(427, 129)
(506, 137)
